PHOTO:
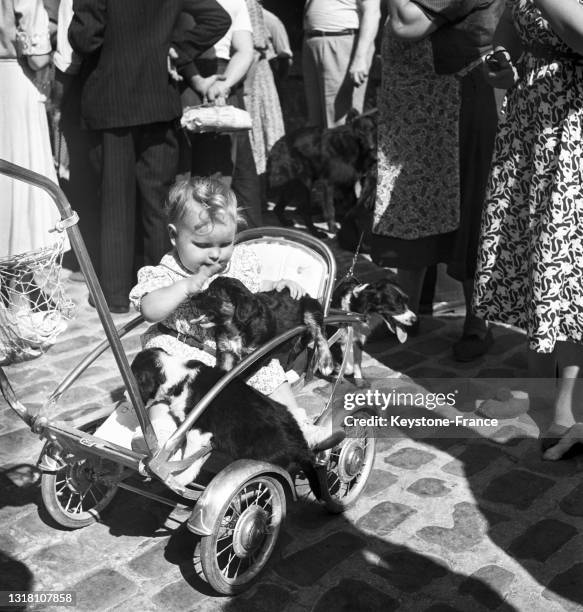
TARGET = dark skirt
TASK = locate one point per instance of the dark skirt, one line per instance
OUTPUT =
(391, 252)
(459, 249)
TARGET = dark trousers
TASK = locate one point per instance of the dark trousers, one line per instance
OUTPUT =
(137, 166)
(82, 185)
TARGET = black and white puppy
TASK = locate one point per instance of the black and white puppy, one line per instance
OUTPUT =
(244, 321)
(244, 424)
(384, 298)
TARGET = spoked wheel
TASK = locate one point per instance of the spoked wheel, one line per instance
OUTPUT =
(77, 493)
(349, 466)
(244, 535)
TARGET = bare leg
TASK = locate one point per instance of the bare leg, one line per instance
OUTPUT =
(567, 402)
(570, 361)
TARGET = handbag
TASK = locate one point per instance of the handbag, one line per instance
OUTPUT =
(215, 118)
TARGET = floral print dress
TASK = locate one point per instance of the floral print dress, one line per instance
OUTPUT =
(261, 97)
(418, 192)
(530, 262)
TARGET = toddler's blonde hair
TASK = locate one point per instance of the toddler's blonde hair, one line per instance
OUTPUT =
(216, 201)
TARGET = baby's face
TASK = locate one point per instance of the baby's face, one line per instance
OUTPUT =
(198, 249)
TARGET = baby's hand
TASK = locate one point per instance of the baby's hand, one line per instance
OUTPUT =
(196, 282)
(295, 289)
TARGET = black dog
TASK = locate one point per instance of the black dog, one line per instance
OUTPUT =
(384, 298)
(244, 321)
(326, 162)
(244, 423)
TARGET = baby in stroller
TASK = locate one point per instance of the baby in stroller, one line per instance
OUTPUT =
(202, 221)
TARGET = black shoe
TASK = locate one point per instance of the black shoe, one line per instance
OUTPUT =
(471, 346)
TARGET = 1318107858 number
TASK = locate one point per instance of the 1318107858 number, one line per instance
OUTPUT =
(17, 598)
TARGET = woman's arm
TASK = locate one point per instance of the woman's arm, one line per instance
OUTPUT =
(239, 64)
(409, 21)
(369, 24)
(566, 19)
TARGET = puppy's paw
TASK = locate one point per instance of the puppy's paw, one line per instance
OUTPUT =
(361, 383)
(348, 370)
(195, 440)
(326, 363)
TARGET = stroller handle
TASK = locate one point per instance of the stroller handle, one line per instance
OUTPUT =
(69, 222)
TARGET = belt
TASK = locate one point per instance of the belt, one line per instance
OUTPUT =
(163, 329)
(346, 32)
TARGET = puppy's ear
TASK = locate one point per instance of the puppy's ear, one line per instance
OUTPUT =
(245, 310)
(148, 372)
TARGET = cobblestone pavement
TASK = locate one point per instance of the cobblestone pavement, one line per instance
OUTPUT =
(471, 522)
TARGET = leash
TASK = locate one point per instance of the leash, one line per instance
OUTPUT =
(356, 253)
(350, 272)
(372, 111)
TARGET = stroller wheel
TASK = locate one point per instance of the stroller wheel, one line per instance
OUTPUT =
(348, 468)
(77, 493)
(244, 535)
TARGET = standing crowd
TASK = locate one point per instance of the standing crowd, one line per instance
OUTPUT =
(493, 191)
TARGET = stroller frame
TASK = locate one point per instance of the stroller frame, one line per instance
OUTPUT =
(69, 444)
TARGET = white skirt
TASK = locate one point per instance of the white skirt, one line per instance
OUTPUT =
(27, 213)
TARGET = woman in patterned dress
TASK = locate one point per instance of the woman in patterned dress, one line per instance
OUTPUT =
(261, 97)
(417, 203)
(530, 269)
(436, 135)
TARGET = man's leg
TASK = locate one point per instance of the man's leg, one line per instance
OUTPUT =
(156, 168)
(313, 85)
(339, 91)
(246, 184)
(82, 187)
(114, 156)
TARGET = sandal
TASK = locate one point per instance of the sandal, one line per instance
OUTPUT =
(553, 436)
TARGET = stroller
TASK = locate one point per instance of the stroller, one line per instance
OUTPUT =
(237, 508)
